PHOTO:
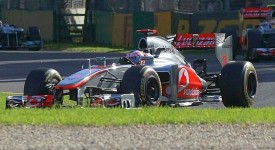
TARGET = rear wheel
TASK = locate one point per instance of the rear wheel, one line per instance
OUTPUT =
(238, 84)
(41, 81)
(145, 83)
(253, 40)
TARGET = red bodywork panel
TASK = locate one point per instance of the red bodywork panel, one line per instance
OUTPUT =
(40, 101)
(242, 39)
(186, 41)
(189, 84)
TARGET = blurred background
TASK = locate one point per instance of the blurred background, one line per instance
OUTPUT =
(137, 5)
(113, 22)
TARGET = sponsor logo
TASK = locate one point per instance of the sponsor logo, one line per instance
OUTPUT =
(196, 41)
(255, 14)
(183, 76)
(184, 81)
(191, 92)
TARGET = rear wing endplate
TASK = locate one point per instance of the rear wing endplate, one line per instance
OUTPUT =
(224, 48)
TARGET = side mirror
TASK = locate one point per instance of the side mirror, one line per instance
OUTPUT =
(101, 59)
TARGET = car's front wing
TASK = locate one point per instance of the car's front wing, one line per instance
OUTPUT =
(42, 101)
(265, 52)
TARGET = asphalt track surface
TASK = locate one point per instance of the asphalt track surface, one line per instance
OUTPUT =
(15, 66)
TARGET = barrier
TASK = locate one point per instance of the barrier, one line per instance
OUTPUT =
(163, 23)
(213, 22)
(103, 23)
(141, 20)
(181, 22)
(118, 29)
(122, 30)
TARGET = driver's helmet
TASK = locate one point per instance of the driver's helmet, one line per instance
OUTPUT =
(135, 56)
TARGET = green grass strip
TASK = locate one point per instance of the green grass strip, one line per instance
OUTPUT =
(144, 116)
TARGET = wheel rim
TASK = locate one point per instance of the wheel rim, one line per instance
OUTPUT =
(152, 90)
(251, 85)
(50, 85)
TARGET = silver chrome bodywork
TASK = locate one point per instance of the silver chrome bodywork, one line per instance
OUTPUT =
(100, 84)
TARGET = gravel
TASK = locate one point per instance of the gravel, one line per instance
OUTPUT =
(256, 136)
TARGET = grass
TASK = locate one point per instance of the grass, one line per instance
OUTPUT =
(82, 47)
(144, 116)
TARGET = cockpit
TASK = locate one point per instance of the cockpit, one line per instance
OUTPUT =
(161, 49)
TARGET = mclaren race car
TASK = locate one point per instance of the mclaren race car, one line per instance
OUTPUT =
(254, 42)
(162, 77)
(259, 42)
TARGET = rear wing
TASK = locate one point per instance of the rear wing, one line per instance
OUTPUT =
(255, 13)
(223, 46)
(186, 41)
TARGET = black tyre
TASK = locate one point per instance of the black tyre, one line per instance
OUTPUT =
(253, 40)
(145, 83)
(41, 81)
(238, 84)
(228, 32)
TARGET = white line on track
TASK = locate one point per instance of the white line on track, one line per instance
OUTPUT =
(49, 60)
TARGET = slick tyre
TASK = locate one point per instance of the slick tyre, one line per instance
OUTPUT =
(232, 32)
(238, 84)
(41, 81)
(253, 40)
(145, 83)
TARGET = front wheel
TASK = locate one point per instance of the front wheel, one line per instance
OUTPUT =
(238, 84)
(145, 83)
(41, 81)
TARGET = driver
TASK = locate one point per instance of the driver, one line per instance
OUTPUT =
(135, 56)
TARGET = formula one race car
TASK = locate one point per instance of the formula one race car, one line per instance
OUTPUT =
(162, 77)
(259, 42)
(12, 37)
(254, 42)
